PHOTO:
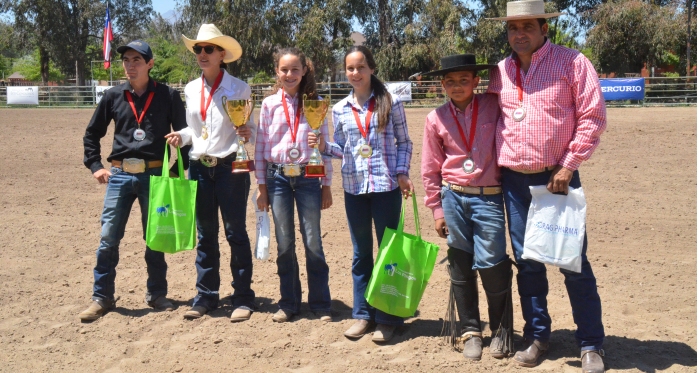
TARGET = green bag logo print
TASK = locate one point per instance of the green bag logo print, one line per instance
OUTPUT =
(163, 211)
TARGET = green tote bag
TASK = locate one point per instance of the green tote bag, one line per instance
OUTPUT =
(171, 203)
(401, 272)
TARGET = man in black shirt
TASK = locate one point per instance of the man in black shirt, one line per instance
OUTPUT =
(143, 112)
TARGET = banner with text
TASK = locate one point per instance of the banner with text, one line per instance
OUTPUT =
(622, 89)
(402, 90)
(23, 95)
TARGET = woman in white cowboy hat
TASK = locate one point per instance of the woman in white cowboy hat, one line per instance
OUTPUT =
(214, 146)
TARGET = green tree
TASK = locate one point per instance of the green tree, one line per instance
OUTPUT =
(173, 63)
(63, 29)
(30, 68)
(32, 21)
(629, 33)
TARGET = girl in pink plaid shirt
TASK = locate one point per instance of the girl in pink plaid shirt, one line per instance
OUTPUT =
(281, 151)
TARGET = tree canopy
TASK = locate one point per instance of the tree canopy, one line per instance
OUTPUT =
(406, 36)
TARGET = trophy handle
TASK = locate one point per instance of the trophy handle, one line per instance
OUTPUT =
(224, 99)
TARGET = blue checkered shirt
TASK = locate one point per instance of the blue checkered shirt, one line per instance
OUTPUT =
(391, 149)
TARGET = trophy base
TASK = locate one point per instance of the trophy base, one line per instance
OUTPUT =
(314, 171)
(242, 166)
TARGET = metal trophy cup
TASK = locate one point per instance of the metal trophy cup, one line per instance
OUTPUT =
(315, 112)
(239, 112)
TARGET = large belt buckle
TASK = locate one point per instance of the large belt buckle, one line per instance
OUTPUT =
(133, 165)
(208, 160)
(291, 170)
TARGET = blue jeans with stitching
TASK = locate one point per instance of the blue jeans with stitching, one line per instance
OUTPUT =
(220, 190)
(532, 276)
(476, 224)
(385, 210)
(283, 193)
(123, 189)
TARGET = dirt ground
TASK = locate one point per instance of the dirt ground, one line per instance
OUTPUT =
(641, 189)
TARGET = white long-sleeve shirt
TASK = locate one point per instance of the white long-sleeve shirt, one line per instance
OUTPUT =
(222, 139)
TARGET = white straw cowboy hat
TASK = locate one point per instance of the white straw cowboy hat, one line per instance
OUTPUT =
(525, 9)
(208, 33)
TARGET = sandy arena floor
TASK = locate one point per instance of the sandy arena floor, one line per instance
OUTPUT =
(641, 189)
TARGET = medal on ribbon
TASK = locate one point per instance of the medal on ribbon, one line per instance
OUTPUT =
(469, 165)
(365, 149)
(204, 107)
(139, 134)
(293, 153)
(519, 114)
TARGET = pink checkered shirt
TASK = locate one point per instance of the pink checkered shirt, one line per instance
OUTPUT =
(565, 110)
(444, 150)
(274, 137)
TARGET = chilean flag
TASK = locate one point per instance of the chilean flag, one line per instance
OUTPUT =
(107, 47)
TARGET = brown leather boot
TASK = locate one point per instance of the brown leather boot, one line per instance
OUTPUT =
(358, 329)
(529, 356)
(383, 333)
(195, 312)
(161, 304)
(592, 361)
(96, 310)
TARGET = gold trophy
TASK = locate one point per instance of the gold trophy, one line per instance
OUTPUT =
(239, 112)
(315, 112)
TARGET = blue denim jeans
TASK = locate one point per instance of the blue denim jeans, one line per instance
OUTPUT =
(477, 225)
(283, 192)
(532, 276)
(219, 189)
(122, 190)
(385, 210)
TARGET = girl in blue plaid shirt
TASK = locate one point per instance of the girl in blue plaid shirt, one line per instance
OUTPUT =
(371, 137)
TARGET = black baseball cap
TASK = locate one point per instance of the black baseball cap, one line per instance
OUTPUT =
(139, 46)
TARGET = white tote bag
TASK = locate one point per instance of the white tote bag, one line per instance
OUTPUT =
(555, 228)
(262, 231)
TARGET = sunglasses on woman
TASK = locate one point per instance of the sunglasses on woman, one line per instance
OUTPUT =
(209, 49)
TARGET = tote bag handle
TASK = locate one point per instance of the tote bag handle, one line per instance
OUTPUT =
(416, 219)
(166, 164)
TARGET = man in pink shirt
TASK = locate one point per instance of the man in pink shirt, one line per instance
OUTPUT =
(552, 116)
(462, 187)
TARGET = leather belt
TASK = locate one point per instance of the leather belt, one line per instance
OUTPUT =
(209, 161)
(537, 171)
(280, 166)
(487, 191)
(148, 164)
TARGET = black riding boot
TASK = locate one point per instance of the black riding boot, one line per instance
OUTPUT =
(464, 294)
(497, 281)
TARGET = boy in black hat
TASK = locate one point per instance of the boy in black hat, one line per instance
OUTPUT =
(143, 113)
(462, 187)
